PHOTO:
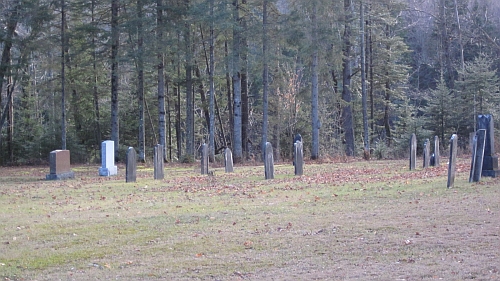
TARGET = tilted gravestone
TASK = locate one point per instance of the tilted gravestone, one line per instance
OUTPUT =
(490, 160)
(269, 161)
(158, 162)
(436, 161)
(453, 161)
(108, 167)
(204, 159)
(298, 158)
(413, 152)
(60, 169)
(477, 156)
(131, 167)
(228, 160)
(427, 153)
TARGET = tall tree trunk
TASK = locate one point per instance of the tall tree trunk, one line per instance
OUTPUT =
(315, 88)
(161, 78)
(10, 121)
(364, 102)
(445, 46)
(97, 121)
(387, 125)
(265, 81)
(7, 45)
(189, 93)
(237, 134)
(244, 81)
(203, 97)
(63, 78)
(229, 94)
(140, 82)
(212, 86)
(115, 41)
(346, 79)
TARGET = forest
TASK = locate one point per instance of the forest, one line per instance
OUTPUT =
(353, 77)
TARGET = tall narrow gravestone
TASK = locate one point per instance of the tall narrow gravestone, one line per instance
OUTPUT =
(269, 161)
(298, 158)
(413, 152)
(427, 153)
(204, 159)
(228, 160)
(131, 168)
(490, 161)
(60, 165)
(158, 162)
(453, 161)
(436, 161)
(108, 159)
(477, 156)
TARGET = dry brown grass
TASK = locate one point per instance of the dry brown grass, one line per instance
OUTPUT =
(341, 221)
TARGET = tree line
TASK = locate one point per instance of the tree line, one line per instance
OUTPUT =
(353, 77)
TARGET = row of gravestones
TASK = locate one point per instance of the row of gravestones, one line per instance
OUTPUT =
(60, 161)
(484, 161)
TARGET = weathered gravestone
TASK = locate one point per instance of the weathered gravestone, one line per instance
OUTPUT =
(413, 152)
(427, 153)
(158, 162)
(297, 138)
(490, 160)
(228, 160)
(298, 153)
(436, 154)
(204, 159)
(269, 161)
(60, 169)
(453, 161)
(108, 159)
(131, 167)
(477, 156)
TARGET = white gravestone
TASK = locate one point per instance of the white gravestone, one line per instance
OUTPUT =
(108, 159)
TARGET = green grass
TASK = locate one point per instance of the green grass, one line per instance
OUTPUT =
(357, 220)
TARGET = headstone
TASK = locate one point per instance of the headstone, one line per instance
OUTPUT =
(298, 158)
(59, 165)
(228, 160)
(413, 152)
(158, 162)
(131, 167)
(269, 161)
(297, 138)
(427, 154)
(108, 159)
(477, 156)
(204, 159)
(436, 152)
(490, 161)
(453, 161)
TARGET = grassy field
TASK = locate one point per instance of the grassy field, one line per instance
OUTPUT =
(340, 221)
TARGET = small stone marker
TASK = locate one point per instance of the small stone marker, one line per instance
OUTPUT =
(490, 160)
(453, 161)
(158, 162)
(298, 160)
(436, 152)
(131, 168)
(477, 156)
(228, 160)
(427, 153)
(108, 159)
(413, 152)
(269, 161)
(59, 165)
(204, 159)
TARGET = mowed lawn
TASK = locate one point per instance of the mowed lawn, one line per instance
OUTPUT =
(354, 220)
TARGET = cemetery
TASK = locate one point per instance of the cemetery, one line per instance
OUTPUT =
(326, 220)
